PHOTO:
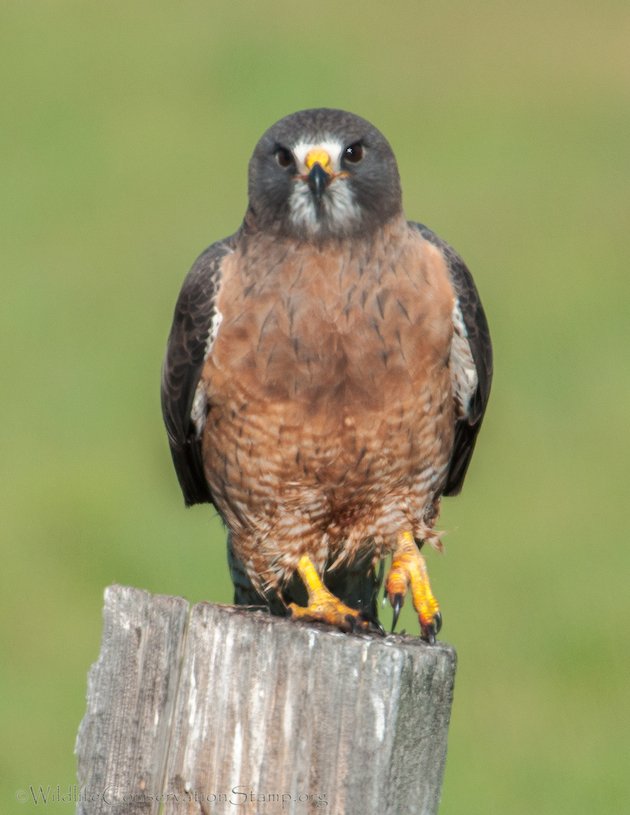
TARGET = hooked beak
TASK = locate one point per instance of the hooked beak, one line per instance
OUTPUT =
(317, 180)
(320, 172)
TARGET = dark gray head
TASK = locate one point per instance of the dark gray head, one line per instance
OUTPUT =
(323, 173)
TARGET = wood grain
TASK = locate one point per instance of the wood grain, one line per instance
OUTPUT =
(219, 709)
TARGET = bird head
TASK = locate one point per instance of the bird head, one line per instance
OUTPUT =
(323, 173)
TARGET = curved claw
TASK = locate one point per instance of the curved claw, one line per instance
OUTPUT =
(328, 609)
(325, 607)
(397, 604)
(409, 571)
(432, 629)
(373, 623)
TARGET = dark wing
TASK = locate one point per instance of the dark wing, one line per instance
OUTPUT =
(192, 333)
(471, 361)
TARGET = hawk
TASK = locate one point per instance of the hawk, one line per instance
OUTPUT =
(326, 376)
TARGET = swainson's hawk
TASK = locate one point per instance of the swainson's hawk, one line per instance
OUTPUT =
(326, 376)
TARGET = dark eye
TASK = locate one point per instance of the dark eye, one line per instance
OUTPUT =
(284, 157)
(354, 153)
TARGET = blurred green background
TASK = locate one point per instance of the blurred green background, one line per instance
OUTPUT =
(125, 134)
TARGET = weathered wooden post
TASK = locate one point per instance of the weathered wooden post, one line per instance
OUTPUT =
(219, 709)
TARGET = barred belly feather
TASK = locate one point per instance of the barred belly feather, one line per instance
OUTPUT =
(330, 406)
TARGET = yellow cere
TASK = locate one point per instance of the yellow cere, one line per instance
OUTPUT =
(318, 156)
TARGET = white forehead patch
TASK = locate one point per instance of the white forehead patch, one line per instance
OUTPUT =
(333, 147)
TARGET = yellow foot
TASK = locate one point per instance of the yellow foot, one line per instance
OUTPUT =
(324, 607)
(410, 570)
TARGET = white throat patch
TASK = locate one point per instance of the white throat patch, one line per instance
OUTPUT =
(338, 211)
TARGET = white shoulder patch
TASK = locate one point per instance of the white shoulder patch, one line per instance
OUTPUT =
(215, 322)
(198, 410)
(463, 371)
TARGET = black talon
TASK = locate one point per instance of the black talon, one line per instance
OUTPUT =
(429, 631)
(428, 634)
(372, 621)
(351, 624)
(397, 604)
